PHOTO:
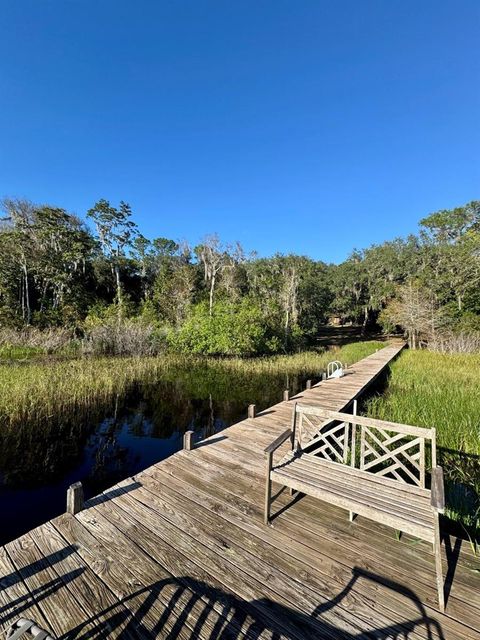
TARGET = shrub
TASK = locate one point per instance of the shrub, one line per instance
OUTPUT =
(234, 328)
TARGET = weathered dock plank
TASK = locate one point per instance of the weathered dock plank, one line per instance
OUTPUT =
(180, 551)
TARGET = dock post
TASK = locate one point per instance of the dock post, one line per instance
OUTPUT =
(252, 411)
(187, 441)
(75, 499)
(308, 385)
(286, 395)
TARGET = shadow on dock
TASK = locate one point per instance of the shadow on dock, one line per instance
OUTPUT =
(223, 615)
(191, 608)
(211, 440)
(112, 493)
(15, 608)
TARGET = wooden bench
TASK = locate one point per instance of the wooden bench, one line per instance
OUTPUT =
(381, 476)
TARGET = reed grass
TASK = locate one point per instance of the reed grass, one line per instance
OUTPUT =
(45, 391)
(443, 391)
(13, 352)
(302, 363)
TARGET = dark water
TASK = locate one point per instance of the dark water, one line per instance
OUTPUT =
(105, 445)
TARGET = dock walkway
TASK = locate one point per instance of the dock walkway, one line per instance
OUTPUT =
(180, 551)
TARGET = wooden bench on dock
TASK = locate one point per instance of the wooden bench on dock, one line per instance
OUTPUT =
(384, 479)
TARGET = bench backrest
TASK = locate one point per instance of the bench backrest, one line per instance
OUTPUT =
(388, 449)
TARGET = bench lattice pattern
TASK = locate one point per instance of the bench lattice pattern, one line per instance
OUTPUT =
(332, 442)
(393, 455)
(398, 453)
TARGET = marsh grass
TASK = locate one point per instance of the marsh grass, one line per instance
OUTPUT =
(443, 391)
(39, 392)
(14, 352)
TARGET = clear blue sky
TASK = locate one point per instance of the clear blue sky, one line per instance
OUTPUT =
(293, 126)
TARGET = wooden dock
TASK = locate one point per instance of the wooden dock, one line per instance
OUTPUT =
(180, 551)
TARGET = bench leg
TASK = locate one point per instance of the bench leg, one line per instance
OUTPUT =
(268, 497)
(437, 549)
(268, 490)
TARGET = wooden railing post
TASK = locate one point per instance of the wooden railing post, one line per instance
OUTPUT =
(308, 385)
(187, 441)
(286, 395)
(75, 499)
(252, 411)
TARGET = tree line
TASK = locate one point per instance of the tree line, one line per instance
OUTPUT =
(57, 270)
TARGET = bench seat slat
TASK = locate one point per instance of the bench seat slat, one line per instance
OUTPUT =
(407, 526)
(378, 502)
(362, 491)
(368, 481)
(314, 476)
(362, 481)
(359, 474)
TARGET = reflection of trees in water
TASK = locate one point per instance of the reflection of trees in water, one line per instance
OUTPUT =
(206, 399)
(202, 398)
(35, 452)
(108, 456)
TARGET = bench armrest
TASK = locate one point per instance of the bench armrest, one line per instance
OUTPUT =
(438, 490)
(278, 441)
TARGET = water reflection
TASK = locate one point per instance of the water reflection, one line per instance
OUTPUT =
(119, 438)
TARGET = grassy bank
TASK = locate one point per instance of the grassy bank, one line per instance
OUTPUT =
(34, 392)
(443, 391)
